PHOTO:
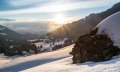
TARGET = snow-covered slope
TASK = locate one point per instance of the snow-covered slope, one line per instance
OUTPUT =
(49, 46)
(35, 60)
(111, 27)
(64, 65)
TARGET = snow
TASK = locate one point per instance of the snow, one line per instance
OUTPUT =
(11, 46)
(60, 42)
(58, 61)
(45, 45)
(6, 59)
(3, 59)
(49, 46)
(33, 40)
(111, 27)
(3, 33)
(27, 62)
(64, 65)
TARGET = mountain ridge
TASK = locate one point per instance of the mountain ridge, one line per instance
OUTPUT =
(7, 33)
(77, 28)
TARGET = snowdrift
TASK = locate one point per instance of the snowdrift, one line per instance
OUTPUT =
(111, 27)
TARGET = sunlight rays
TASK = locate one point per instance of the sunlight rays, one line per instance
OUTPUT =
(59, 19)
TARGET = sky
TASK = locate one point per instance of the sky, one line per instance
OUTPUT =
(45, 12)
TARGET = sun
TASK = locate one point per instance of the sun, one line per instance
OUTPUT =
(59, 19)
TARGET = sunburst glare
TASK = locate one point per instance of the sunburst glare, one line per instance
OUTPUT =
(59, 19)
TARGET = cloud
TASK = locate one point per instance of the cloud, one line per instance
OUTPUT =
(27, 14)
(31, 27)
(6, 5)
(23, 2)
(59, 6)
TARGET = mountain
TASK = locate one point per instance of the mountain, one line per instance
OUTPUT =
(35, 27)
(6, 33)
(13, 43)
(83, 26)
(31, 36)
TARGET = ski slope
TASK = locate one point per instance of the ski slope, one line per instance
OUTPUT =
(35, 60)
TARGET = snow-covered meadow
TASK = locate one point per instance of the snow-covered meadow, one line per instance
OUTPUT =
(46, 45)
(58, 61)
(27, 62)
(64, 65)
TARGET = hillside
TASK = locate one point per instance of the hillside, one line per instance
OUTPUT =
(6, 33)
(83, 26)
(11, 42)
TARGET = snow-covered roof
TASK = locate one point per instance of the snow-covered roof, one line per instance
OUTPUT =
(111, 27)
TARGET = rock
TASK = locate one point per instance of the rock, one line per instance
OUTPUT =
(95, 48)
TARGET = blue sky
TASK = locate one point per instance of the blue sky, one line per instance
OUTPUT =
(47, 10)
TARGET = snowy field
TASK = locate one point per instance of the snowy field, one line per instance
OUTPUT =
(64, 65)
(50, 45)
(27, 62)
(58, 61)
(6, 59)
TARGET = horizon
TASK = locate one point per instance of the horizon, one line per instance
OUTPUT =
(47, 15)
